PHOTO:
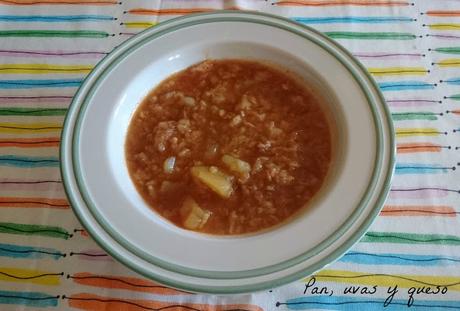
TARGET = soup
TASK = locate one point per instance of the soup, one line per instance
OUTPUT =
(229, 146)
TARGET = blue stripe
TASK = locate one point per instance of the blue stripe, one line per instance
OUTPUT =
(416, 168)
(351, 303)
(55, 18)
(28, 252)
(352, 19)
(32, 299)
(11, 160)
(405, 85)
(453, 81)
(397, 259)
(30, 84)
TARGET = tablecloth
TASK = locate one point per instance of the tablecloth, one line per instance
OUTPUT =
(410, 257)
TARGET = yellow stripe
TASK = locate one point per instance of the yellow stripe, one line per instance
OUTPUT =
(139, 24)
(42, 68)
(28, 276)
(398, 71)
(404, 132)
(444, 26)
(384, 280)
(450, 62)
(30, 127)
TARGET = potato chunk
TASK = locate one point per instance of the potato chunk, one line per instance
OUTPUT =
(193, 216)
(240, 167)
(214, 179)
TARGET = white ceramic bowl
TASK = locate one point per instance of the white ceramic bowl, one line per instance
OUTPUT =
(106, 202)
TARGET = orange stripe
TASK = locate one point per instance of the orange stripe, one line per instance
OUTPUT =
(456, 111)
(33, 202)
(47, 2)
(415, 210)
(341, 2)
(169, 11)
(177, 11)
(30, 142)
(84, 233)
(93, 302)
(443, 13)
(119, 282)
(418, 147)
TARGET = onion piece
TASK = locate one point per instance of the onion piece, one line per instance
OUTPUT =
(168, 165)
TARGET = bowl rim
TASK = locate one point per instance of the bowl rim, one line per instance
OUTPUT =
(332, 48)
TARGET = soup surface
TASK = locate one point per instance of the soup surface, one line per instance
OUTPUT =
(229, 147)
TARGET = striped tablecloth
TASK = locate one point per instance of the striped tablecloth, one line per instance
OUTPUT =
(410, 256)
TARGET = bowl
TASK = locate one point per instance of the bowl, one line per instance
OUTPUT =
(106, 202)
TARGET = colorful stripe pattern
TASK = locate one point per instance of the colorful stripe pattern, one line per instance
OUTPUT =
(411, 48)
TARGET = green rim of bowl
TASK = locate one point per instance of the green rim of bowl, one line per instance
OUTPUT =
(252, 17)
